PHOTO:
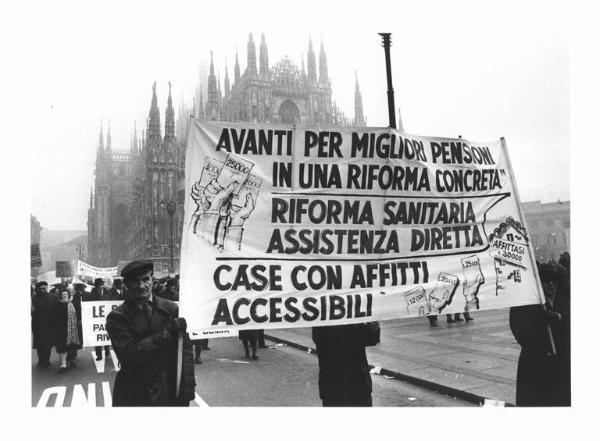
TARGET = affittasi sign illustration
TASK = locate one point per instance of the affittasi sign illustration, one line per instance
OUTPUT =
(305, 226)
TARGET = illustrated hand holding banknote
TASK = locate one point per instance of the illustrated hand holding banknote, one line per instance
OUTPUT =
(225, 195)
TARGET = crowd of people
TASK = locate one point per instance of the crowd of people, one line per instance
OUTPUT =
(145, 329)
(56, 315)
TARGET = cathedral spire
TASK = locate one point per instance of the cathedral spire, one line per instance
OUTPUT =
(101, 139)
(134, 140)
(311, 63)
(154, 115)
(226, 81)
(236, 73)
(108, 139)
(153, 136)
(264, 56)
(251, 56)
(323, 72)
(169, 117)
(359, 119)
(219, 92)
(212, 99)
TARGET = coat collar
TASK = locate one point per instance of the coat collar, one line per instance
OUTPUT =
(158, 303)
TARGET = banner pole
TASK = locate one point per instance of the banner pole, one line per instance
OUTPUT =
(386, 43)
(529, 245)
(179, 362)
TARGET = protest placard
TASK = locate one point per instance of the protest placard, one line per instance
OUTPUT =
(93, 321)
(310, 227)
(64, 268)
(36, 257)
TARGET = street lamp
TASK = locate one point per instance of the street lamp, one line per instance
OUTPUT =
(170, 207)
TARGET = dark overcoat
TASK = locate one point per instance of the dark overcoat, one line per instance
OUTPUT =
(147, 353)
(42, 319)
(539, 378)
(343, 368)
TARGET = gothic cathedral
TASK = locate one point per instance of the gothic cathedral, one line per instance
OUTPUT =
(136, 210)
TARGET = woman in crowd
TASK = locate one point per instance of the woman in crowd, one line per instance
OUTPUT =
(67, 337)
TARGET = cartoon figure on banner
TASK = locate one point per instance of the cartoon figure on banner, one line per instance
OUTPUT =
(473, 276)
(225, 196)
(443, 292)
(508, 246)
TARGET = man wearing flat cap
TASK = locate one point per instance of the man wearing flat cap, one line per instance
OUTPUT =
(144, 331)
(42, 319)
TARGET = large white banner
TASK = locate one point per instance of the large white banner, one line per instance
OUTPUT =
(93, 321)
(94, 272)
(313, 226)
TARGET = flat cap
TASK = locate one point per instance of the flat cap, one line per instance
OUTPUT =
(136, 267)
(42, 283)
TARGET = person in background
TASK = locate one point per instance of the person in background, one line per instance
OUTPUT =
(432, 320)
(99, 293)
(249, 339)
(161, 287)
(539, 379)
(562, 332)
(171, 292)
(344, 376)
(55, 290)
(565, 261)
(117, 292)
(144, 332)
(42, 315)
(261, 339)
(78, 294)
(197, 351)
(67, 338)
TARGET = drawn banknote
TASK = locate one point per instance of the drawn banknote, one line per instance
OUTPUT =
(473, 280)
(236, 170)
(250, 187)
(210, 171)
(441, 295)
(416, 301)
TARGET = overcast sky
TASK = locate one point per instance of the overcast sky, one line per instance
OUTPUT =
(481, 71)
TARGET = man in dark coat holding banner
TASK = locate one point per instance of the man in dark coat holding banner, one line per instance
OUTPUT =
(144, 333)
(542, 378)
(344, 375)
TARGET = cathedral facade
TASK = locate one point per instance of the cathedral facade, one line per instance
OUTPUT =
(136, 206)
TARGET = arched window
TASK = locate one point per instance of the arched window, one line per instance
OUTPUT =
(289, 113)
